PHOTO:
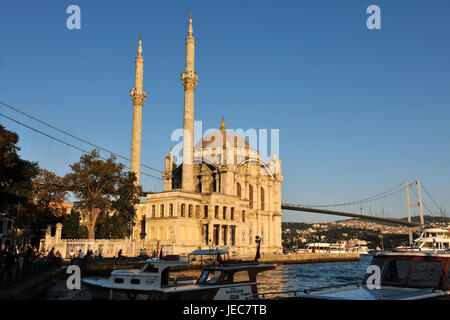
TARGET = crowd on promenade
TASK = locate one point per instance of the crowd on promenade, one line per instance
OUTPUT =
(98, 254)
(24, 262)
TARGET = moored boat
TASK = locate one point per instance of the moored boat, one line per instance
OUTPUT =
(222, 280)
(402, 276)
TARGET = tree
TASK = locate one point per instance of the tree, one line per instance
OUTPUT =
(98, 184)
(72, 228)
(16, 174)
(46, 204)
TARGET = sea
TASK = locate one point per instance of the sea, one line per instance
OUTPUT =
(293, 277)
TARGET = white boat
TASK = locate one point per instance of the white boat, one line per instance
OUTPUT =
(224, 280)
(323, 247)
(429, 240)
(360, 247)
(402, 276)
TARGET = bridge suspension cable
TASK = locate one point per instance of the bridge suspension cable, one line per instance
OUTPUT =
(398, 188)
(71, 135)
(432, 199)
(66, 143)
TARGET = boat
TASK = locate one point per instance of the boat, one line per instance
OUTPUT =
(323, 247)
(360, 247)
(429, 239)
(403, 276)
(222, 280)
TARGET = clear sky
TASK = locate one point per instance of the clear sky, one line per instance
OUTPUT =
(359, 110)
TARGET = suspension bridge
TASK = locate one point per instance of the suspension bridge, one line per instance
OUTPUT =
(416, 186)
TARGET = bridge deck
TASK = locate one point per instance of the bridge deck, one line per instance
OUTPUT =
(293, 207)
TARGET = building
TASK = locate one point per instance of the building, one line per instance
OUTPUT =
(222, 195)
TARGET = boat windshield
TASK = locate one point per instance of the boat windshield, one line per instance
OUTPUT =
(210, 277)
(150, 268)
(396, 271)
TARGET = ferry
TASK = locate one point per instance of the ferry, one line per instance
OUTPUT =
(429, 239)
(403, 276)
(223, 280)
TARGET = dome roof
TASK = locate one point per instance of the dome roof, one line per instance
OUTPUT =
(221, 138)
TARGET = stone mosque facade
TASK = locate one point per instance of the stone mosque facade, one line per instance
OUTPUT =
(221, 195)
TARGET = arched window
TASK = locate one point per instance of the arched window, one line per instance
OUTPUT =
(183, 209)
(205, 208)
(161, 211)
(250, 196)
(197, 211)
(243, 215)
(171, 210)
(238, 190)
(153, 211)
(232, 214)
(262, 198)
(224, 213)
(216, 212)
(190, 211)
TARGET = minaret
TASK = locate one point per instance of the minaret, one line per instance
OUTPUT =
(189, 79)
(138, 96)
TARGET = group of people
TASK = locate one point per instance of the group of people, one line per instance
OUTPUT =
(143, 253)
(25, 258)
(90, 254)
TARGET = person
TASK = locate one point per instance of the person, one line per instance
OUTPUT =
(80, 254)
(100, 252)
(154, 254)
(119, 254)
(71, 254)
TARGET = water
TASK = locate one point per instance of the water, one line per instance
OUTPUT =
(283, 278)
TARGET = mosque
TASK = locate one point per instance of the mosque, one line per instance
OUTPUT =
(222, 194)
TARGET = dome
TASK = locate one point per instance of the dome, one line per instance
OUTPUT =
(221, 138)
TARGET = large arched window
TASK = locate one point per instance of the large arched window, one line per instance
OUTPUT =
(262, 198)
(190, 211)
(238, 189)
(183, 209)
(161, 210)
(171, 210)
(224, 213)
(153, 211)
(250, 196)
(243, 215)
(205, 208)
(232, 214)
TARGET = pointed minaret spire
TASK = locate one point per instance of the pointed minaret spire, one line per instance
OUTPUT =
(138, 96)
(140, 46)
(190, 30)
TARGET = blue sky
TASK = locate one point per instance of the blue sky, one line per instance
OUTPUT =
(358, 110)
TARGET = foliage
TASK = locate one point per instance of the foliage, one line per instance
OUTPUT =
(101, 186)
(16, 174)
(72, 228)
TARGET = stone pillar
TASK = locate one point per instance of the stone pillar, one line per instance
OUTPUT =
(138, 96)
(189, 79)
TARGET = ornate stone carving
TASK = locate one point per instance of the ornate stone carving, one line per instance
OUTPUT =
(189, 79)
(138, 96)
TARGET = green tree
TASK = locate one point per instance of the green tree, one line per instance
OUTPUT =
(72, 229)
(16, 174)
(99, 186)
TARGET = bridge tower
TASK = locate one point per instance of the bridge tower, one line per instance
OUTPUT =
(414, 204)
